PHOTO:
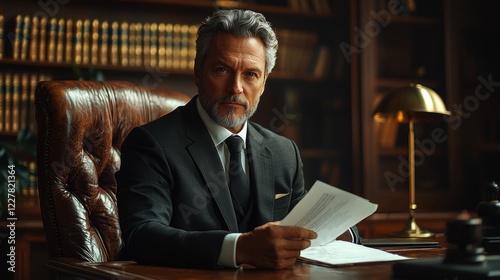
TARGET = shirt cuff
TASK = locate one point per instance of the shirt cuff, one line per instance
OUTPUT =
(227, 255)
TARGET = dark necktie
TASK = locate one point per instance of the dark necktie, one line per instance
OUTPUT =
(238, 181)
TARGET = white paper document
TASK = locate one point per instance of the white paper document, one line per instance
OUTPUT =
(338, 253)
(329, 211)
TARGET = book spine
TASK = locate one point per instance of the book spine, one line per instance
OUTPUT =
(86, 42)
(51, 49)
(61, 26)
(16, 37)
(193, 29)
(131, 44)
(114, 43)
(7, 102)
(1, 36)
(161, 45)
(138, 44)
(103, 43)
(153, 48)
(42, 47)
(68, 53)
(33, 40)
(77, 42)
(169, 45)
(25, 36)
(33, 81)
(2, 102)
(184, 46)
(146, 43)
(124, 44)
(15, 103)
(25, 105)
(94, 49)
(176, 48)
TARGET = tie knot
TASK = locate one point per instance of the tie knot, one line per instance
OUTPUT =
(234, 144)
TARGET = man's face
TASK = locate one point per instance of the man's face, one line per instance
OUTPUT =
(232, 79)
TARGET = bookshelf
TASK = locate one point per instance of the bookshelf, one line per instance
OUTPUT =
(150, 42)
(409, 47)
(444, 45)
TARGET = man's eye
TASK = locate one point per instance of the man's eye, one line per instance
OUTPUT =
(221, 70)
(251, 74)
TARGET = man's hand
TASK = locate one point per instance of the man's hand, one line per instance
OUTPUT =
(273, 246)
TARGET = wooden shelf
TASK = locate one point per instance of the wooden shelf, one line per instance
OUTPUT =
(225, 4)
(303, 77)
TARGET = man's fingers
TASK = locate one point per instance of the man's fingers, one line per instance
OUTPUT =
(294, 232)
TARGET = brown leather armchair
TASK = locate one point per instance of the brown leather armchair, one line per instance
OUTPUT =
(80, 128)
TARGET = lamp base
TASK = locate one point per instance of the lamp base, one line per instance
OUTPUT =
(412, 230)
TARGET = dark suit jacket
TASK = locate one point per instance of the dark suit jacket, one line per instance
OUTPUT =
(174, 203)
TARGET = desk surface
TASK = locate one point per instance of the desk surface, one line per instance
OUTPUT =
(130, 270)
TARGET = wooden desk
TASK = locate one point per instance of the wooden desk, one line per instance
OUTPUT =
(130, 270)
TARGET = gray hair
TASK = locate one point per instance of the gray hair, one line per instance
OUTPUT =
(242, 23)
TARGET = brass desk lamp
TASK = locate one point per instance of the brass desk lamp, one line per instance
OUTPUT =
(411, 104)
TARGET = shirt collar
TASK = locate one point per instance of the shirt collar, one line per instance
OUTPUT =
(219, 133)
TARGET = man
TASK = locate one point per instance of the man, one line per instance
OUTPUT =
(176, 203)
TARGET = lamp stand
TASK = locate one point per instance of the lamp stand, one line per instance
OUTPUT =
(411, 229)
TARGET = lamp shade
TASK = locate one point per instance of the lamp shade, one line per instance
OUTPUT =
(415, 102)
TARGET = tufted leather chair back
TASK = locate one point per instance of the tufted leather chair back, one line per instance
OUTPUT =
(80, 127)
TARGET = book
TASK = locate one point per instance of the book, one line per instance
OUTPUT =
(77, 42)
(59, 53)
(161, 45)
(176, 46)
(15, 37)
(94, 44)
(193, 30)
(184, 46)
(114, 51)
(2, 102)
(169, 45)
(138, 44)
(52, 40)
(42, 39)
(33, 81)
(33, 39)
(68, 44)
(103, 43)
(1, 36)
(131, 44)
(124, 44)
(15, 99)
(86, 35)
(146, 43)
(25, 102)
(25, 36)
(7, 102)
(153, 48)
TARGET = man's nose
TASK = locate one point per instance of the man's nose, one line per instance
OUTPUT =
(236, 85)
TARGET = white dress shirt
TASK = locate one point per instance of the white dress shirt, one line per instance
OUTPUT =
(219, 134)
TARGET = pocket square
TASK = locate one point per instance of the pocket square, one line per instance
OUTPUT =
(280, 195)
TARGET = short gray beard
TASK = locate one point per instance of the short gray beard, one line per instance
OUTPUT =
(229, 120)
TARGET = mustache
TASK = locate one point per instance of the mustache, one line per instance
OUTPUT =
(234, 99)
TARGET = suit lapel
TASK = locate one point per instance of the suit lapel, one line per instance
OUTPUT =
(260, 163)
(209, 164)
